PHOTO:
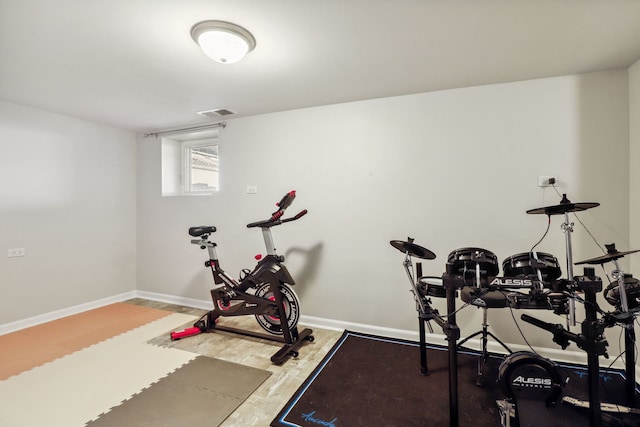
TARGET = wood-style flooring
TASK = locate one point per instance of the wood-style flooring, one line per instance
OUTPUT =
(267, 401)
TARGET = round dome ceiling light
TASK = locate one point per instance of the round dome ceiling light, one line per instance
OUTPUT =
(222, 41)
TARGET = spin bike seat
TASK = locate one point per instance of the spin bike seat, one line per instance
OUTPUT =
(203, 229)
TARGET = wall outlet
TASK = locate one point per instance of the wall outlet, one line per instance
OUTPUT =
(252, 189)
(547, 180)
(15, 252)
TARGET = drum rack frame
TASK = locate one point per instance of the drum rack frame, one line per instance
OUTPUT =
(591, 340)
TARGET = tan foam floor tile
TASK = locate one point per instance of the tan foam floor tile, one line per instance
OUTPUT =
(31, 347)
(76, 388)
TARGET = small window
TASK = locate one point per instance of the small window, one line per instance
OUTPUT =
(190, 164)
(201, 167)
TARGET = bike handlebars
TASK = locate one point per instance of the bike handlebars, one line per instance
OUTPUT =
(272, 223)
(275, 219)
(283, 204)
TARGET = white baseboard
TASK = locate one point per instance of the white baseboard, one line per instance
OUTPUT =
(556, 354)
(58, 314)
(339, 325)
(172, 299)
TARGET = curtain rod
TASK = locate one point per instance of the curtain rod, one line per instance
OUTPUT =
(165, 132)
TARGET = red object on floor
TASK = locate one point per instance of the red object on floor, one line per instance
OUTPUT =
(185, 333)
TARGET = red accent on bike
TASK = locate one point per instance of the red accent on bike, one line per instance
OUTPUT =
(258, 257)
(185, 333)
(274, 318)
(290, 195)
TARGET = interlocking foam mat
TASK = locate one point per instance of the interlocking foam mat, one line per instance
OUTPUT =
(204, 392)
(72, 388)
(34, 346)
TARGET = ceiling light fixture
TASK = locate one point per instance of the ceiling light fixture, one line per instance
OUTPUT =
(222, 41)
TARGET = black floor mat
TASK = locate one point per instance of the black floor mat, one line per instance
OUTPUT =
(375, 381)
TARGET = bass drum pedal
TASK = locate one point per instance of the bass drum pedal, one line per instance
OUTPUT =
(532, 383)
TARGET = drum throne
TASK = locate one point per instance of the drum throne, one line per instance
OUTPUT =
(485, 299)
(478, 266)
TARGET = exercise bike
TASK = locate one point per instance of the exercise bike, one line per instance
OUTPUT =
(264, 292)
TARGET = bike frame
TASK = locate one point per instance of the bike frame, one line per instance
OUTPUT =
(232, 298)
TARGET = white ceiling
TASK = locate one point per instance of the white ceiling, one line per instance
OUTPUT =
(132, 63)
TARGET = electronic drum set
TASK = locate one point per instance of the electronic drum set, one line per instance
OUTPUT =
(531, 280)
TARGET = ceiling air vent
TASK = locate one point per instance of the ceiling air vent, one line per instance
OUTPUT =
(218, 112)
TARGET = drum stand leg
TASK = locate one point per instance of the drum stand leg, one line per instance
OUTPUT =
(425, 313)
(630, 362)
(484, 338)
(452, 332)
(629, 337)
(590, 340)
(424, 368)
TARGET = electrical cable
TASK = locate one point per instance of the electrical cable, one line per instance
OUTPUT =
(582, 224)
(453, 313)
(466, 304)
(544, 235)
(518, 327)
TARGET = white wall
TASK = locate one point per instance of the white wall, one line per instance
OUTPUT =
(452, 169)
(67, 195)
